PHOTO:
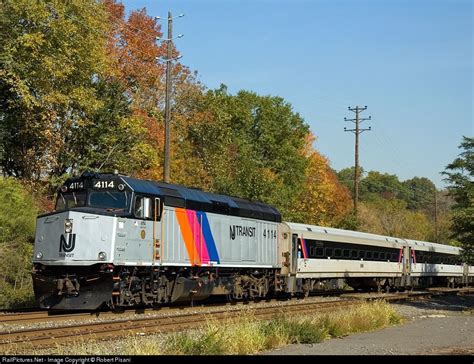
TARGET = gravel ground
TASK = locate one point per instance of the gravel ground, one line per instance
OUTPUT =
(443, 326)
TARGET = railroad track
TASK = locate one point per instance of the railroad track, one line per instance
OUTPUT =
(174, 320)
(46, 337)
(51, 316)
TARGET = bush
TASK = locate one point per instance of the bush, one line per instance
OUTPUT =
(17, 228)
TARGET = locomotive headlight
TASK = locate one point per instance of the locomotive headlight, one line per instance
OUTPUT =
(68, 226)
(39, 255)
(102, 256)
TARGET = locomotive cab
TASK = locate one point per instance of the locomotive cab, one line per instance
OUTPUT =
(77, 243)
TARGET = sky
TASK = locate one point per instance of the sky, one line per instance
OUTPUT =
(409, 61)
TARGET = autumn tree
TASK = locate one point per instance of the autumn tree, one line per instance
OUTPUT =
(50, 54)
(323, 199)
(138, 64)
(392, 218)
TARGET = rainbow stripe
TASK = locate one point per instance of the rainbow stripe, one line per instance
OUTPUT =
(303, 248)
(197, 236)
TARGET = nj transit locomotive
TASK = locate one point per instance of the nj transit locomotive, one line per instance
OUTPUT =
(122, 241)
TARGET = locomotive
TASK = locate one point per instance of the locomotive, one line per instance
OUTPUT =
(122, 241)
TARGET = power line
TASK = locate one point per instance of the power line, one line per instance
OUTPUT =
(357, 131)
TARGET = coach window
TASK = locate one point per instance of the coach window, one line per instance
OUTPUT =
(320, 252)
(329, 252)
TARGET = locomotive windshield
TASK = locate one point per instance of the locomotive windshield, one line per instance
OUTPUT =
(108, 199)
(116, 200)
(70, 200)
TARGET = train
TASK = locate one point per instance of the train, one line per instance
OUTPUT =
(120, 241)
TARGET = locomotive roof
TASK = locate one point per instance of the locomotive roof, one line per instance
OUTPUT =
(190, 198)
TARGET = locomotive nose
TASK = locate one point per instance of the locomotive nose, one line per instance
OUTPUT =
(73, 236)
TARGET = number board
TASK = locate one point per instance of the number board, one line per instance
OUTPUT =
(103, 184)
(75, 186)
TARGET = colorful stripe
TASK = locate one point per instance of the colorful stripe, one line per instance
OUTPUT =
(188, 236)
(400, 256)
(303, 246)
(197, 236)
(199, 241)
(206, 230)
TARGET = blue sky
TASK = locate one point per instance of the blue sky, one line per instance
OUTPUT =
(409, 61)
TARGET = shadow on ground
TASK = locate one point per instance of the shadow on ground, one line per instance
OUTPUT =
(445, 303)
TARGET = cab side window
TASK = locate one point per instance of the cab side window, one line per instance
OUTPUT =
(143, 207)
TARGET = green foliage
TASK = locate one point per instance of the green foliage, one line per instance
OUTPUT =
(111, 139)
(380, 184)
(419, 193)
(460, 175)
(51, 54)
(349, 222)
(252, 146)
(17, 226)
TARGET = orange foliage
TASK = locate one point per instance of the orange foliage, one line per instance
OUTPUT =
(134, 51)
(323, 201)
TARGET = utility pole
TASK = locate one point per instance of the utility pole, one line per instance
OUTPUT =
(169, 49)
(168, 88)
(357, 131)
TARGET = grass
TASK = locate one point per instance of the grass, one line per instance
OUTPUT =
(244, 335)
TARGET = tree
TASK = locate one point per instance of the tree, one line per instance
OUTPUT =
(111, 138)
(380, 184)
(135, 54)
(250, 146)
(391, 218)
(323, 200)
(419, 193)
(460, 175)
(50, 56)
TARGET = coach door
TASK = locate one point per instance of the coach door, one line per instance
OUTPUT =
(407, 265)
(157, 231)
